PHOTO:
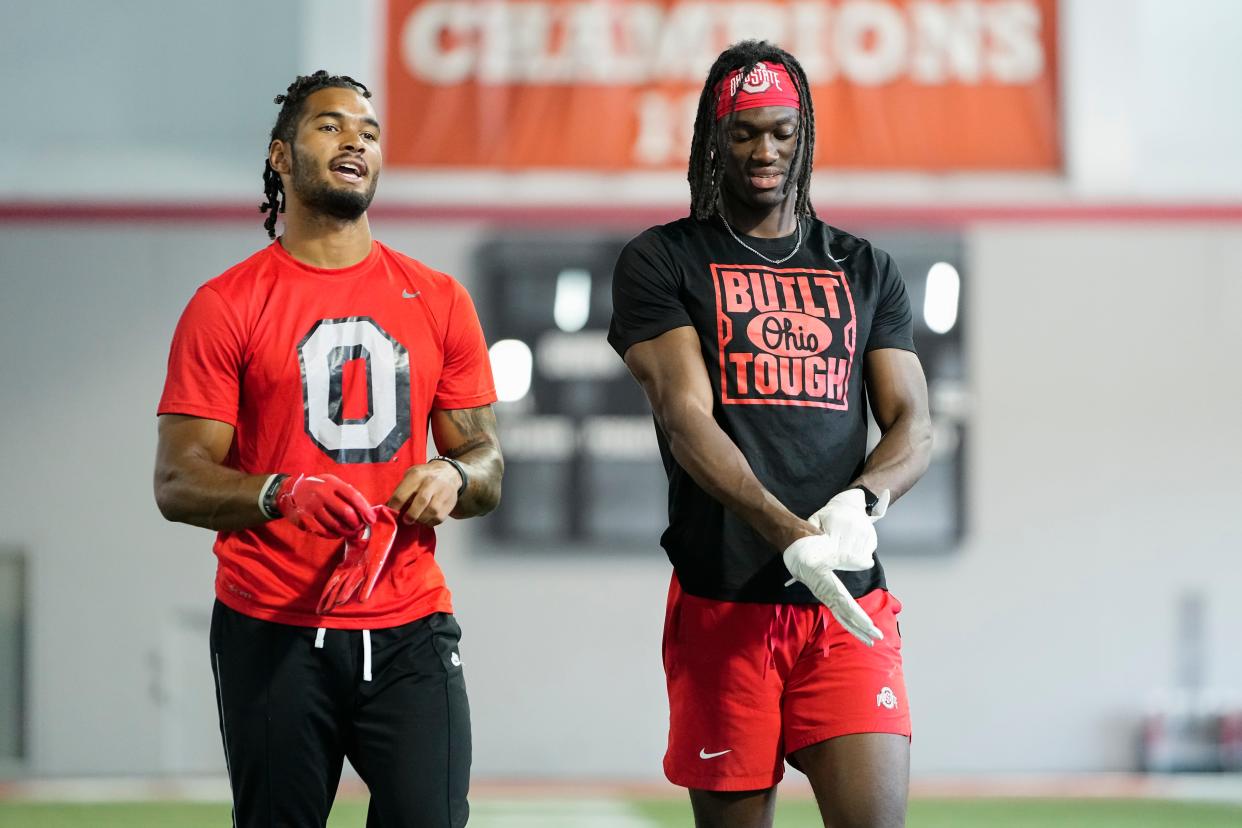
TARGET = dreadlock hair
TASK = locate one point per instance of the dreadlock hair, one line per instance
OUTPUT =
(706, 168)
(291, 104)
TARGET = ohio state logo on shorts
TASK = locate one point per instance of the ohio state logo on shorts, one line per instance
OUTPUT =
(787, 335)
(886, 698)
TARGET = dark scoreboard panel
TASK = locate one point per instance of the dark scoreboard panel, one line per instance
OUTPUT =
(583, 472)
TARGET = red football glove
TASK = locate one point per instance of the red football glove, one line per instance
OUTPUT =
(324, 505)
(364, 557)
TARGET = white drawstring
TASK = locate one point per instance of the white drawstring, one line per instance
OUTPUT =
(366, 650)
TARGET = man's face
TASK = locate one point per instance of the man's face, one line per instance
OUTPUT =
(758, 151)
(335, 161)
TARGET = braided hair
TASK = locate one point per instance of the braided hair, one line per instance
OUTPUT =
(291, 104)
(706, 168)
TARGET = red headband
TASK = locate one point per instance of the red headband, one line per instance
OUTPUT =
(764, 86)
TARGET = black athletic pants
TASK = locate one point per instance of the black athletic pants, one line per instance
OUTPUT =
(290, 711)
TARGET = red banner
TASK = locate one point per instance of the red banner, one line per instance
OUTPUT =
(613, 84)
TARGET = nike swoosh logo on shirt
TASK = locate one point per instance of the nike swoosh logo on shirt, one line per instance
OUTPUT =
(405, 294)
(703, 754)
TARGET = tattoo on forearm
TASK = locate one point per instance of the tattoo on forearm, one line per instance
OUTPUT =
(477, 425)
(480, 451)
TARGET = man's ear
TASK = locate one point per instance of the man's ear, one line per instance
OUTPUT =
(279, 156)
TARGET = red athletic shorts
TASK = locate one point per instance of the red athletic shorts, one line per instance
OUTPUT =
(749, 684)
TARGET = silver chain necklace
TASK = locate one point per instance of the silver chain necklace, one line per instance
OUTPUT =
(782, 260)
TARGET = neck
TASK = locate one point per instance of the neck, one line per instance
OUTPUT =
(764, 223)
(323, 241)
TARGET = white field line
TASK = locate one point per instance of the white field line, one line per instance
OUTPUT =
(118, 789)
(1200, 787)
(485, 812)
(555, 813)
(1214, 787)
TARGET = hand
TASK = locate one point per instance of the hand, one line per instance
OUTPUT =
(363, 558)
(324, 505)
(811, 560)
(427, 494)
(845, 519)
(828, 588)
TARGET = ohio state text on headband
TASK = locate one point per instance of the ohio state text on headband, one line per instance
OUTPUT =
(764, 86)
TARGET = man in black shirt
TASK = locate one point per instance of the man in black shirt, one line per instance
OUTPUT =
(760, 335)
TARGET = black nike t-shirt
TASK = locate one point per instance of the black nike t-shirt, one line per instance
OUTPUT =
(785, 346)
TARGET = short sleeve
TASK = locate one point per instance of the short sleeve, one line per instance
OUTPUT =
(466, 378)
(205, 361)
(893, 326)
(646, 300)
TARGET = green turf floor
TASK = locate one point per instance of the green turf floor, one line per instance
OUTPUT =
(993, 813)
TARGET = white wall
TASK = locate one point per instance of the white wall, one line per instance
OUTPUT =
(142, 99)
(1102, 486)
(1151, 91)
(119, 676)
(1101, 473)
(1102, 452)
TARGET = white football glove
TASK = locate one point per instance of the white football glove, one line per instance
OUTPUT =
(810, 560)
(845, 518)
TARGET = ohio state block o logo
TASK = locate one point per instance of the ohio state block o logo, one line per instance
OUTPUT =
(322, 356)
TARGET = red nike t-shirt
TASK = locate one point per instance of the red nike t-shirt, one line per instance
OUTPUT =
(334, 371)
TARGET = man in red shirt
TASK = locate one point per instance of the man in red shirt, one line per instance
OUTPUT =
(294, 420)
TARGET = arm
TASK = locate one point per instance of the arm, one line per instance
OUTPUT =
(671, 370)
(468, 435)
(191, 483)
(428, 492)
(898, 393)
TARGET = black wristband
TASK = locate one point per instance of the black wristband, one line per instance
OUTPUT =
(869, 497)
(267, 496)
(465, 478)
